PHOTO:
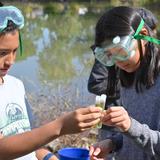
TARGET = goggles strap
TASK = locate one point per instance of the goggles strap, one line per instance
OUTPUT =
(140, 36)
(139, 28)
(20, 43)
(147, 38)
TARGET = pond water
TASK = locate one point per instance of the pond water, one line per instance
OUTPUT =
(57, 58)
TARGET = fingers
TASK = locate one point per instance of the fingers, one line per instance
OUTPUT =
(89, 124)
(94, 152)
(87, 117)
(115, 121)
(115, 114)
(114, 109)
(112, 115)
(91, 150)
(83, 126)
(1, 136)
(118, 117)
(89, 109)
(97, 151)
(92, 116)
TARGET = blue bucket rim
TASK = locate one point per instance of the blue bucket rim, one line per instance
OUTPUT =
(71, 148)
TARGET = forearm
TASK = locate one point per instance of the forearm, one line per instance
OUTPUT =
(72, 122)
(18, 145)
(146, 138)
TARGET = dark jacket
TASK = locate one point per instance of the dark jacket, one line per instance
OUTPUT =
(100, 83)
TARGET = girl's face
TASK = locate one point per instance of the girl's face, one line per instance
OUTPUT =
(132, 64)
(9, 43)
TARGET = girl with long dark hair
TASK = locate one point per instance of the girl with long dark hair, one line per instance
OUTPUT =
(123, 39)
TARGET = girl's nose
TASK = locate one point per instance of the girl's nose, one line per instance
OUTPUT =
(10, 59)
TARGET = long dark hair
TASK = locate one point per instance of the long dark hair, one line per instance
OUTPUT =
(1, 4)
(122, 21)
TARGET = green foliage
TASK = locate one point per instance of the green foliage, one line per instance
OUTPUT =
(53, 8)
(60, 59)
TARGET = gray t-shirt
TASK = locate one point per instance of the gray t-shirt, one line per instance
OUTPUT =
(142, 142)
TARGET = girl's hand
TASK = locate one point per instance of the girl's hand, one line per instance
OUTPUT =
(117, 116)
(100, 150)
(80, 119)
(1, 136)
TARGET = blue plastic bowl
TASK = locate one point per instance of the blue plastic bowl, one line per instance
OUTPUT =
(73, 154)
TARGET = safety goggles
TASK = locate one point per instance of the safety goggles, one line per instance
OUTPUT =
(13, 14)
(121, 48)
(10, 13)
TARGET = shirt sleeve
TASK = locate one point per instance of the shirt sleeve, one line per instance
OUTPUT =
(145, 137)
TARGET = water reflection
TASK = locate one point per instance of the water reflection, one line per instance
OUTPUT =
(45, 41)
(56, 51)
(27, 71)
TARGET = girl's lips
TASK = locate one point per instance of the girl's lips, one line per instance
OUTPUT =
(4, 70)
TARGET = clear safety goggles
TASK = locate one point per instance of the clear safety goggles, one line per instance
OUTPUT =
(14, 14)
(10, 13)
(121, 48)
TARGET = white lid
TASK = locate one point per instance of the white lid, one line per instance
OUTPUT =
(103, 98)
(98, 99)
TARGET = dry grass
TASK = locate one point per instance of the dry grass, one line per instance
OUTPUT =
(47, 108)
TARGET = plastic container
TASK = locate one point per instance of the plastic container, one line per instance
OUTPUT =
(73, 154)
(100, 102)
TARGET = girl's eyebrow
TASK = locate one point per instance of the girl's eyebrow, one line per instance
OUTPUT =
(3, 49)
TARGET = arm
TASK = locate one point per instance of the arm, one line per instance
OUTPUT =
(141, 134)
(97, 82)
(21, 144)
(146, 138)
(40, 153)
